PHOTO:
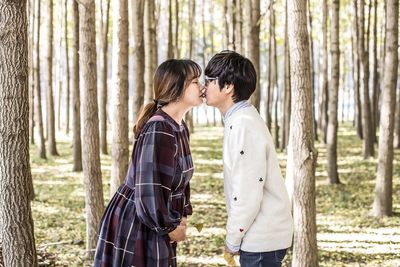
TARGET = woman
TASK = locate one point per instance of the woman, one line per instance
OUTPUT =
(147, 215)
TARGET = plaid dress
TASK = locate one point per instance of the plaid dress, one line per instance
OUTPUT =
(152, 201)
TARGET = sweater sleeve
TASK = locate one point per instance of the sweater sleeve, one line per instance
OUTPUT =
(248, 154)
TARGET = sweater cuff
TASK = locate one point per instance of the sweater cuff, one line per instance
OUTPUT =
(232, 248)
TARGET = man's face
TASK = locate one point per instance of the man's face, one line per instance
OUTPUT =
(215, 97)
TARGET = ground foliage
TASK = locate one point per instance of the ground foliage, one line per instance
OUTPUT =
(347, 235)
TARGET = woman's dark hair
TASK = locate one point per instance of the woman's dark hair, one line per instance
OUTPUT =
(233, 68)
(171, 79)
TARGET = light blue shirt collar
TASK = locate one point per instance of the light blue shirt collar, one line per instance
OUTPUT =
(236, 107)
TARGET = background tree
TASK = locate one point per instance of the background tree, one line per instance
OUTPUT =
(302, 139)
(384, 185)
(323, 92)
(138, 59)
(104, 20)
(76, 115)
(38, 92)
(120, 139)
(368, 144)
(150, 40)
(252, 37)
(51, 130)
(16, 224)
(94, 202)
(331, 139)
(67, 72)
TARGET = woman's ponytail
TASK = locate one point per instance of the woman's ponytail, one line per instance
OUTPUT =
(145, 113)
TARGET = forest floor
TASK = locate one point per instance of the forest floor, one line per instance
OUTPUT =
(347, 235)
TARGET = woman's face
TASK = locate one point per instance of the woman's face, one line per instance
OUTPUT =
(193, 93)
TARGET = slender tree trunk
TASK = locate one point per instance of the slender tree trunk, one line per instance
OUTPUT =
(120, 147)
(238, 26)
(356, 75)
(396, 142)
(105, 11)
(375, 74)
(138, 59)
(94, 203)
(331, 144)
(150, 42)
(192, 19)
(310, 26)
(287, 96)
(67, 87)
(38, 103)
(274, 74)
(31, 84)
(302, 140)
(269, 78)
(176, 41)
(205, 54)
(57, 66)
(16, 224)
(384, 185)
(324, 97)
(170, 45)
(368, 144)
(76, 115)
(252, 37)
(51, 130)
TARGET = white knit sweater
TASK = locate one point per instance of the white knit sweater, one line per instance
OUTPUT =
(259, 216)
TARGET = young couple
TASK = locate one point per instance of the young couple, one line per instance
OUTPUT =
(147, 216)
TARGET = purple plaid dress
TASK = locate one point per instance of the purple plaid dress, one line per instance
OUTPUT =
(155, 196)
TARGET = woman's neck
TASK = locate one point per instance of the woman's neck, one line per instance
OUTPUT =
(175, 111)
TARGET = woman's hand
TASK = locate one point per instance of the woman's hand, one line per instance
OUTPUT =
(179, 234)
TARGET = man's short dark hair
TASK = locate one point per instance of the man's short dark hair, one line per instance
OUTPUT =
(233, 68)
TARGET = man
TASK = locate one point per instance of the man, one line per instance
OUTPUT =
(260, 224)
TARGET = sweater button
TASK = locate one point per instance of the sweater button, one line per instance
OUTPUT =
(241, 152)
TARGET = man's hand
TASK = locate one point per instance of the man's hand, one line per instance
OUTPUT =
(227, 250)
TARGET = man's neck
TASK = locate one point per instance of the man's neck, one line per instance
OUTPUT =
(225, 107)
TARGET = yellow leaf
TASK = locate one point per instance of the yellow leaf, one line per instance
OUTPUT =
(229, 259)
(199, 227)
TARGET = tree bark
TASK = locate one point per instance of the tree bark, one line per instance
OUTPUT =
(16, 224)
(170, 45)
(120, 140)
(192, 19)
(105, 10)
(310, 27)
(31, 84)
(287, 92)
(252, 37)
(302, 139)
(324, 97)
(138, 59)
(76, 115)
(382, 205)
(176, 41)
(51, 130)
(375, 74)
(356, 73)
(331, 144)
(94, 203)
(368, 143)
(67, 86)
(238, 26)
(396, 142)
(150, 41)
(38, 103)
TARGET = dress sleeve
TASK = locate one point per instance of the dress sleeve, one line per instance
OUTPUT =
(155, 168)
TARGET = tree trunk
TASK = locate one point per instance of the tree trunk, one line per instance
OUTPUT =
(192, 19)
(356, 74)
(368, 144)
(170, 44)
(38, 103)
(252, 37)
(302, 140)
(67, 87)
(384, 185)
(238, 26)
(51, 130)
(396, 142)
(274, 74)
(138, 59)
(176, 41)
(120, 140)
(104, 20)
(150, 42)
(310, 27)
(324, 97)
(16, 224)
(375, 75)
(76, 115)
(270, 66)
(90, 131)
(331, 140)
(31, 84)
(286, 83)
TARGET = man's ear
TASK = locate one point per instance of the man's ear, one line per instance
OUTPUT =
(229, 89)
